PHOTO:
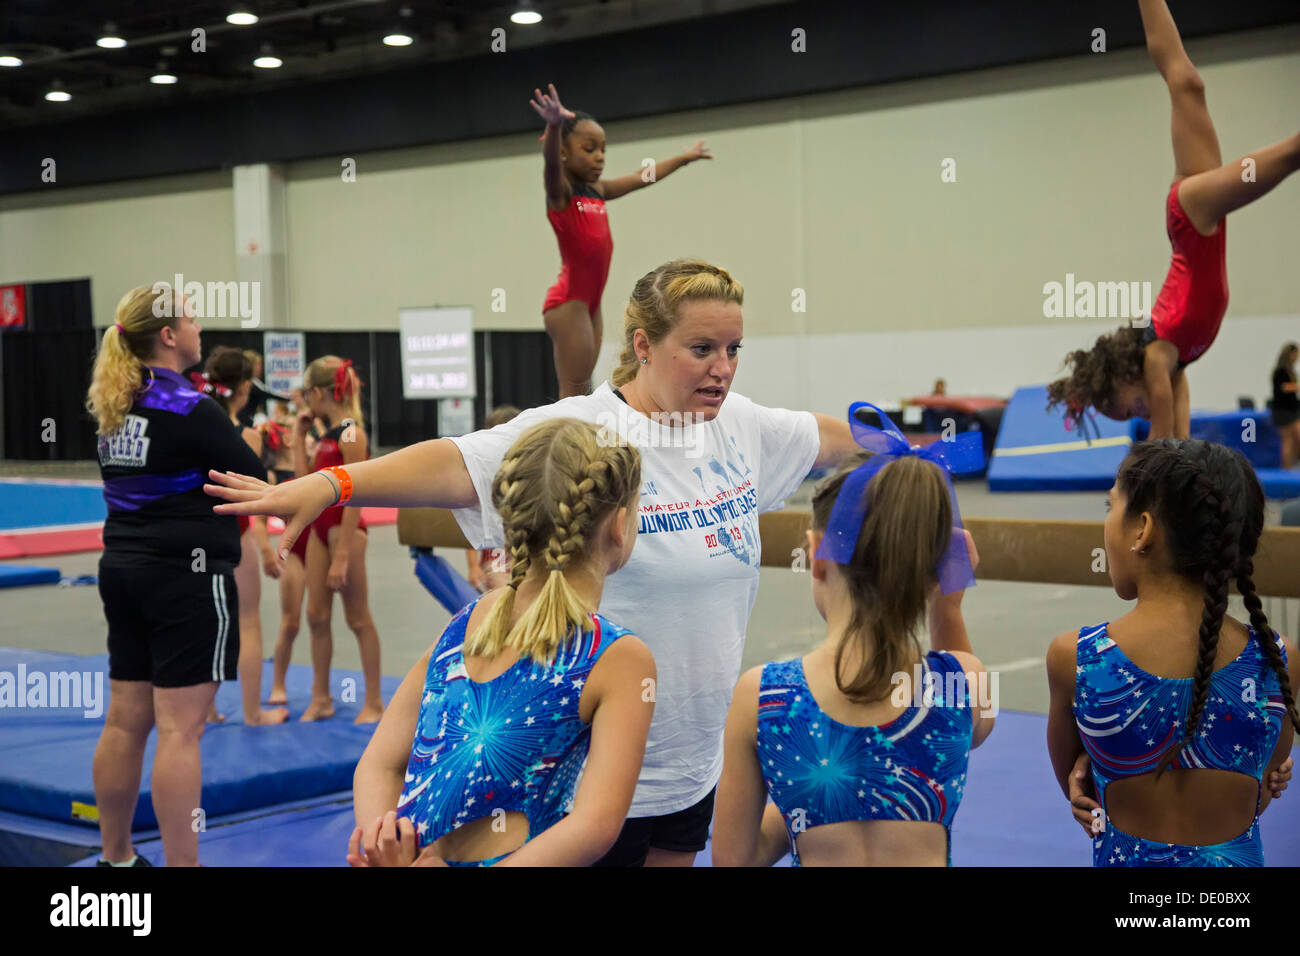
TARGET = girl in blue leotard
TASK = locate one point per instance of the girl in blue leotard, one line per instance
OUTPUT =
(863, 743)
(1183, 711)
(477, 758)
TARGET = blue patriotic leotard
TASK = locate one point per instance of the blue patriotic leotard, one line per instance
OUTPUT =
(514, 743)
(819, 771)
(1128, 718)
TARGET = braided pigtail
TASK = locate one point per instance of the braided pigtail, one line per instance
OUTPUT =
(490, 638)
(558, 483)
(1267, 640)
(558, 610)
(1216, 578)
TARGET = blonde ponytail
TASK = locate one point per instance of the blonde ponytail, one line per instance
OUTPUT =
(123, 351)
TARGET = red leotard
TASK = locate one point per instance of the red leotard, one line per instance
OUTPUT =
(327, 456)
(1191, 304)
(585, 250)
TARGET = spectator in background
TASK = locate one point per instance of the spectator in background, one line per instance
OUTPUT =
(489, 568)
(1286, 403)
(254, 413)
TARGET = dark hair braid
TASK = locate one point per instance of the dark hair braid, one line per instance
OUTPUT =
(1267, 639)
(1216, 577)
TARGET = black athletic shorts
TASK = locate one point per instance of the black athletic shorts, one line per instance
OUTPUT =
(169, 625)
(686, 831)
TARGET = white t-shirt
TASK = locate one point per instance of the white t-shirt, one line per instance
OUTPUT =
(690, 584)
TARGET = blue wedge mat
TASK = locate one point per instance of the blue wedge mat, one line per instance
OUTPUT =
(1253, 434)
(29, 504)
(46, 753)
(1245, 430)
(1034, 452)
(20, 575)
(1012, 814)
(1279, 482)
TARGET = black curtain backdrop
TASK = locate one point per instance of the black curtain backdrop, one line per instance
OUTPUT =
(46, 375)
(58, 305)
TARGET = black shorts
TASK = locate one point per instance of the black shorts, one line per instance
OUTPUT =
(686, 831)
(169, 625)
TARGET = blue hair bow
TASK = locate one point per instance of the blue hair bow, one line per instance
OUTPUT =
(963, 453)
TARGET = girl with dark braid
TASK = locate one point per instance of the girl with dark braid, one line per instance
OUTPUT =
(1182, 710)
(526, 685)
(1140, 372)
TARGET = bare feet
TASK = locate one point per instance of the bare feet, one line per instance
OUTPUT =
(370, 714)
(319, 710)
(214, 717)
(278, 696)
(273, 715)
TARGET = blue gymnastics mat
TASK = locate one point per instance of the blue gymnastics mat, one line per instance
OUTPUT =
(20, 575)
(1245, 430)
(1034, 452)
(30, 504)
(46, 752)
(1012, 814)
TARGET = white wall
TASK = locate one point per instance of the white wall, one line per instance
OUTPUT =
(1061, 168)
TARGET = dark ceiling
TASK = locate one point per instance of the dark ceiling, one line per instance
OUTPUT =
(315, 40)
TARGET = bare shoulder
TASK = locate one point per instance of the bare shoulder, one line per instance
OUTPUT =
(630, 651)
(968, 661)
(1061, 653)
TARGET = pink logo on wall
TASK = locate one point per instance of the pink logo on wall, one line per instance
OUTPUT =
(13, 309)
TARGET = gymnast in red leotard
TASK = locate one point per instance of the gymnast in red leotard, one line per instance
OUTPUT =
(1139, 372)
(336, 541)
(574, 148)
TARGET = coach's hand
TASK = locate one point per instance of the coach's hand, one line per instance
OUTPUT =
(297, 502)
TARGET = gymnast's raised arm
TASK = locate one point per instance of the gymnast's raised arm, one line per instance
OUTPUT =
(430, 474)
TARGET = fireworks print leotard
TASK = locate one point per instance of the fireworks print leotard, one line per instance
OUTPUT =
(819, 771)
(1128, 718)
(514, 743)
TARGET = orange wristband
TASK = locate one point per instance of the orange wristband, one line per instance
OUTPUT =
(345, 483)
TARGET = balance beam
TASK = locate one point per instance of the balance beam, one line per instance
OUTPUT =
(1010, 549)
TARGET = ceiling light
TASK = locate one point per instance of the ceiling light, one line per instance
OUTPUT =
(267, 60)
(57, 94)
(525, 15)
(10, 61)
(397, 39)
(163, 79)
(241, 17)
(110, 40)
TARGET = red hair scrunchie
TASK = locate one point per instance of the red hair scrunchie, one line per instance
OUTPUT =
(342, 387)
(205, 385)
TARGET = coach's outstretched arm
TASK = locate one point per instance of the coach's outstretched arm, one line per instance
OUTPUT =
(431, 474)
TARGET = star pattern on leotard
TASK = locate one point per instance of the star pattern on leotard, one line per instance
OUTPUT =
(1127, 719)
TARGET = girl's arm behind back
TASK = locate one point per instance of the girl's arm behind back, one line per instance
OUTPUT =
(622, 686)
